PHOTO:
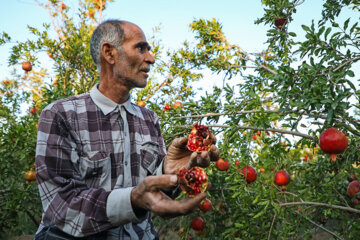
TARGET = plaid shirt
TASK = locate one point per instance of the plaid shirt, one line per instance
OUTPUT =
(90, 154)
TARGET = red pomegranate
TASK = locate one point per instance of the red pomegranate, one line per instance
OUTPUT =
(197, 224)
(199, 138)
(353, 188)
(26, 66)
(193, 181)
(249, 173)
(333, 141)
(222, 165)
(206, 205)
(282, 178)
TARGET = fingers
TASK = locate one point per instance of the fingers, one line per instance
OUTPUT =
(171, 208)
(179, 142)
(154, 183)
(204, 158)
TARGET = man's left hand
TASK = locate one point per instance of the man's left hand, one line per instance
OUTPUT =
(179, 156)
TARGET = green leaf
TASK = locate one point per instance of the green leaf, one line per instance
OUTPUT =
(306, 28)
(327, 32)
(346, 24)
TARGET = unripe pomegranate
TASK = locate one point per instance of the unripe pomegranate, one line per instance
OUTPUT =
(282, 178)
(199, 138)
(141, 103)
(30, 175)
(206, 205)
(197, 224)
(333, 141)
(249, 173)
(27, 66)
(193, 181)
(353, 188)
(222, 165)
(178, 105)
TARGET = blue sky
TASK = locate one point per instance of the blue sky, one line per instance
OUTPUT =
(236, 16)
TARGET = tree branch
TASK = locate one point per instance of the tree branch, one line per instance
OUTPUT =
(347, 62)
(349, 209)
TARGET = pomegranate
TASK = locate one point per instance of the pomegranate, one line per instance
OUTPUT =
(282, 178)
(27, 66)
(193, 181)
(222, 165)
(30, 175)
(249, 173)
(197, 224)
(237, 162)
(353, 188)
(280, 22)
(178, 105)
(333, 141)
(167, 107)
(206, 205)
(32, 111)
(199, 138)
(141, 103)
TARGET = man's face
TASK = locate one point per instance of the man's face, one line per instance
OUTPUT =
(134, 59)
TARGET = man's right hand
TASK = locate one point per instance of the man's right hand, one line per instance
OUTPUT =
(148, 195)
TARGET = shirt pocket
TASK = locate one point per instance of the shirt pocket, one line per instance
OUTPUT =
(149, 158)
(95, 168)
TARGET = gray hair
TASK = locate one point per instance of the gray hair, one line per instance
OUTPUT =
(109, 31)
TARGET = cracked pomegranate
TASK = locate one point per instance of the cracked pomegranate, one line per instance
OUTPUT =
(193, 181)
(199, 138)
(333, 141)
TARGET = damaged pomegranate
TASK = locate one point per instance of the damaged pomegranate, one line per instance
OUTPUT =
(199, 138)
(193, 181)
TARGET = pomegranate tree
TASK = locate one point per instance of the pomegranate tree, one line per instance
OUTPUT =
(333, 141)
(199, 138)
(249, 173)
(193, 181)
(282, 178)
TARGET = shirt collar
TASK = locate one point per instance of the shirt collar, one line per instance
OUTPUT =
(106, 104)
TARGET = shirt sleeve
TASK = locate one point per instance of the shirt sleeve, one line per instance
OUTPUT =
(67, 200)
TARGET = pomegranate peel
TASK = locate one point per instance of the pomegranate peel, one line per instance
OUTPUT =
(193, 181)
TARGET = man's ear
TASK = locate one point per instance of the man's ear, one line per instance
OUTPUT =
(108, 52)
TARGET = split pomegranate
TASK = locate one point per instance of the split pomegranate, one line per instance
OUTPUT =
(197, 223)
(199, 138)
(353, 188)
(280, 22)
(282, 178)
(222, 165)
(249, 173)
(193, 181)
(206, 205)
(333, 141)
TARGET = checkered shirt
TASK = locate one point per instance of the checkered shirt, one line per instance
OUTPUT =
(90, 154)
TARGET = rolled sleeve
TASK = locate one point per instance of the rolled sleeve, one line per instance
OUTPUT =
(119, 209)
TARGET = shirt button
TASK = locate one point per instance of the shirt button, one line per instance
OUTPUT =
(125, 163)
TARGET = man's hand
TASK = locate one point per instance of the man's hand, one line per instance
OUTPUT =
(147, 195)
(179, 156)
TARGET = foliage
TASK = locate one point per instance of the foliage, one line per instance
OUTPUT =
(269, 114)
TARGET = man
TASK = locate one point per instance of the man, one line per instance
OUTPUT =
(101, 162)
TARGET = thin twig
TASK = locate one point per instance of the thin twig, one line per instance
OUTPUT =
(349, 209)
(347, 62)
(272, 225)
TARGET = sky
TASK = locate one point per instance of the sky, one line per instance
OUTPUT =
(236, 16)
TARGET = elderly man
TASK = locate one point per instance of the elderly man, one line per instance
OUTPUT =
(101, 161)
